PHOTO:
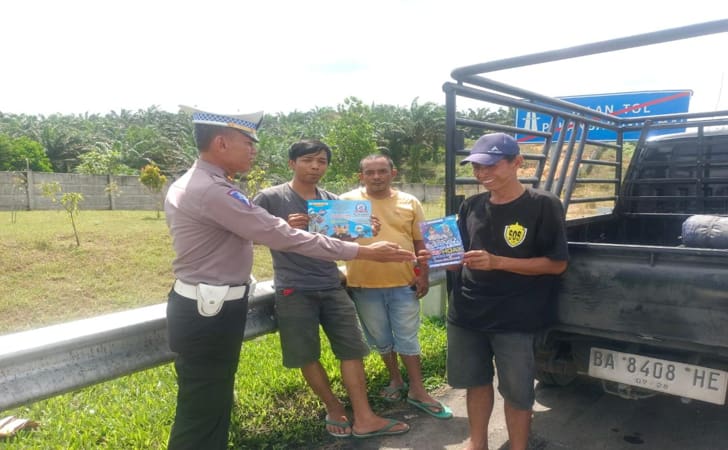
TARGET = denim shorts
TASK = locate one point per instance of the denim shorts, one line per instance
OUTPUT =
(390, 318)
(470, 355)
(299, 315)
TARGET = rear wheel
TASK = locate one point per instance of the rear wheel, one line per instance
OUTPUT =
(554, 360)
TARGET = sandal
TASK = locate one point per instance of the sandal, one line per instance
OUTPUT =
(393, 394)
(344, 423)
(437, 409)
(384, 431)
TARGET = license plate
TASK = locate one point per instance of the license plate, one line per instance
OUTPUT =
(668, 377)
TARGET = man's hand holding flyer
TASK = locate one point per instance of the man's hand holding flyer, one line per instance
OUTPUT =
(442, 239)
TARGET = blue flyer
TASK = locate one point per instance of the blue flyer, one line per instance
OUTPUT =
(442, 239)
(342, 219)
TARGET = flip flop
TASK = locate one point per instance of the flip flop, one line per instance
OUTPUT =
(441, 411)
(340, 424)
(384, 431)
(393, 394)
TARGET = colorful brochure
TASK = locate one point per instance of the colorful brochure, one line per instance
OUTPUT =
(442, 239)
(342, 219)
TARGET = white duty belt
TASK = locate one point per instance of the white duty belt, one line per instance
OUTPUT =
(190, 290)
(210, 298)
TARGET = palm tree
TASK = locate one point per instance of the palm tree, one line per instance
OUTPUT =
(423, 133)
(62, 142)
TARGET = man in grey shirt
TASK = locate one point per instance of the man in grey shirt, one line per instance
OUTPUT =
(309, 293)
(213, 227)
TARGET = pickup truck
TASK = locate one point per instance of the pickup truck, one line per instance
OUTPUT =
(641, 308)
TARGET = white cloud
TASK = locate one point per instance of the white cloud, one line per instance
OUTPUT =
(281, 55)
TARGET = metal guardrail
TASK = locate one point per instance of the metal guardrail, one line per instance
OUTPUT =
(41, 363)
(45, 362)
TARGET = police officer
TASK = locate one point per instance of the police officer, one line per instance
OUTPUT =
(213, 227)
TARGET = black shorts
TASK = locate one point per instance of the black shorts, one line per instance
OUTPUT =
(470, 355)
(299, 315)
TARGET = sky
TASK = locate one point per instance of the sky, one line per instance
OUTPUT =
(280, 56)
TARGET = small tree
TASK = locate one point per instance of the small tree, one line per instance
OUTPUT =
(22, 154)
(113, 189)
(351, 138)
(257, 180)
(153, 179)
(103, 160)
(69, 201)
(20, 186)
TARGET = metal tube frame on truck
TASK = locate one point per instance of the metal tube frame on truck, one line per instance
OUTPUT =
(638, 308)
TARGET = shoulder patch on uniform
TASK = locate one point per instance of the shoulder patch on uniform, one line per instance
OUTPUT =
(239, 196)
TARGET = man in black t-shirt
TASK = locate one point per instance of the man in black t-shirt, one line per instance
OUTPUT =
(515, 249)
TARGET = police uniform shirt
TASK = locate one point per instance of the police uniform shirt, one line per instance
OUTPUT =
(214, 225)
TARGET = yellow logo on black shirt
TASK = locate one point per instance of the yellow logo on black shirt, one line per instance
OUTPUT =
(515, 234)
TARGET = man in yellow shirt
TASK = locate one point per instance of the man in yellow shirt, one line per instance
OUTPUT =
(387, 294)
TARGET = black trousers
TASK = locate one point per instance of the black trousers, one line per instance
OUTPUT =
(208, 351)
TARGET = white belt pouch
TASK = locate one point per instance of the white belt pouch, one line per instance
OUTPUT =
(210, 299)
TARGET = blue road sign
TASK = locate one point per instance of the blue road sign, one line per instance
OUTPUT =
(624, 105)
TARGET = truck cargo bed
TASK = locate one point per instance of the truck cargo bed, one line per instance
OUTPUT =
(656, 294)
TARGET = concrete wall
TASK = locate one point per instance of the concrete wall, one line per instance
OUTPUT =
(429, 193)
(131, 194)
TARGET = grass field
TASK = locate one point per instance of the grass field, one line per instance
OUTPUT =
(124, 262)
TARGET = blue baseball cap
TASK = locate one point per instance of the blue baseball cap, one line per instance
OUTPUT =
(491, 148)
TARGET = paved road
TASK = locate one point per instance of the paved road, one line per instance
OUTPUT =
(577, 417)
